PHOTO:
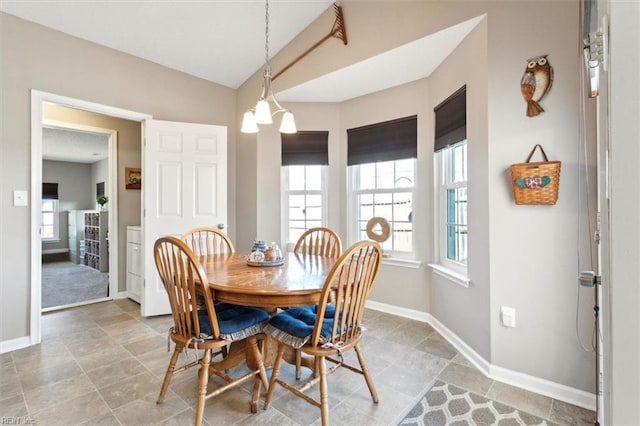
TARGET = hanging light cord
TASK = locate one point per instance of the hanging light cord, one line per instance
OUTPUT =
(266, 32)
(596, 337)
(582, 149)
(267, 89)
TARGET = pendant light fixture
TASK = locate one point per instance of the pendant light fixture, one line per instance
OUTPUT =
(261, 113)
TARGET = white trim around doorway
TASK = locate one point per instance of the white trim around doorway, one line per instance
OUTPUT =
(37, 99)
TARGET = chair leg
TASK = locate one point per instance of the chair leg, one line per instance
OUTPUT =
(298, 362)
(274, 375)
(203, 378)
(169, 374)
(324, 394)
(262, 344)
(316, 366)
(365, 373)
(261, 377)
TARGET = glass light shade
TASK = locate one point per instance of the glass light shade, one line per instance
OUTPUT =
(263, 112)
(249, 123)
(288, 124)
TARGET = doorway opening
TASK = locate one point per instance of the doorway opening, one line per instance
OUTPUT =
(41, 119)
(75, 236)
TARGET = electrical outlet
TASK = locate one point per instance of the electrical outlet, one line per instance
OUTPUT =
(508, 316)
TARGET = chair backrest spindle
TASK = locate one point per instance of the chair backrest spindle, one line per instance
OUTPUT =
(206, 240)
(319, 241)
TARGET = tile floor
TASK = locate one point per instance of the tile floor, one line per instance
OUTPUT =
(102, 364)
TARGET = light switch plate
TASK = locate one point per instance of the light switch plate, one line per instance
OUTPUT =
(508, 316)
(20, 198)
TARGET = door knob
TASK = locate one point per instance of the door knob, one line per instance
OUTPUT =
(221, 226)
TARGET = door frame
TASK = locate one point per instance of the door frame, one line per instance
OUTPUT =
(37, 99)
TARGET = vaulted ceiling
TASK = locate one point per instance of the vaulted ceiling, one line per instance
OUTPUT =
(223, 41)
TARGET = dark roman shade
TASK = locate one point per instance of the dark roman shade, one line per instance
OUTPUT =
(305, 148)
(451, 120)
(49, 191)
(386, 141)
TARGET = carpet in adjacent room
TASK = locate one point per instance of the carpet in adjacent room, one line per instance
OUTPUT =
(65, 283)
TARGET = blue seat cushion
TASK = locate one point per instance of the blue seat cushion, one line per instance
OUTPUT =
(224, 306)
(294, 326)
(235, 322)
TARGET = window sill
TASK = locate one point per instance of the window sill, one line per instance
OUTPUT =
(451, 275)
(404, 263)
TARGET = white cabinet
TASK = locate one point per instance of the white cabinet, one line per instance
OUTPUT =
(135, 269)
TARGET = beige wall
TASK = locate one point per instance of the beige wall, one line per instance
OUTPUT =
(534, 250)
(34, 57)
(129, 155)
(451, 302)
(520, 256)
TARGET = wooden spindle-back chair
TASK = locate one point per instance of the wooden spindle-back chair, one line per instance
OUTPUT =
(208, 330)
(328, 330)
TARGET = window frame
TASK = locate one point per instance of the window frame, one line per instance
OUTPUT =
(286, 193)
(443, 183)
(55, 212)
(352, 214)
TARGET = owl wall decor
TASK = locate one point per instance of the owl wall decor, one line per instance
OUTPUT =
(535, 83)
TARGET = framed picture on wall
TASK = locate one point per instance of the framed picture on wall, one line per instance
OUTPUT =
(133, 178)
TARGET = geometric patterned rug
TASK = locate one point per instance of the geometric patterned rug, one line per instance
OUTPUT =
(446, 404)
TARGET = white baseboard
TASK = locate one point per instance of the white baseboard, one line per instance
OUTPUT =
(23, 342)
(474, 357)
(531, 383)
(544, 387)
(401, 312)
(125, 295)
(14, 344)
(122, 295)
(54, 251)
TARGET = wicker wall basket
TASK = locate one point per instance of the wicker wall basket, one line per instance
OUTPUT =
(536, 183)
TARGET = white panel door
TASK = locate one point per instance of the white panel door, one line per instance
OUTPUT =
(184, 184)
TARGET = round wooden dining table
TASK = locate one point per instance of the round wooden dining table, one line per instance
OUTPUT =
(297, 282)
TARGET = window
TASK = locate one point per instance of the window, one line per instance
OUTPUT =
(452, 205)
(50, 223)
(382, 161)
(385, 189)
(49, 211)
(303, 207)
(450, 165)
(305, 155)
